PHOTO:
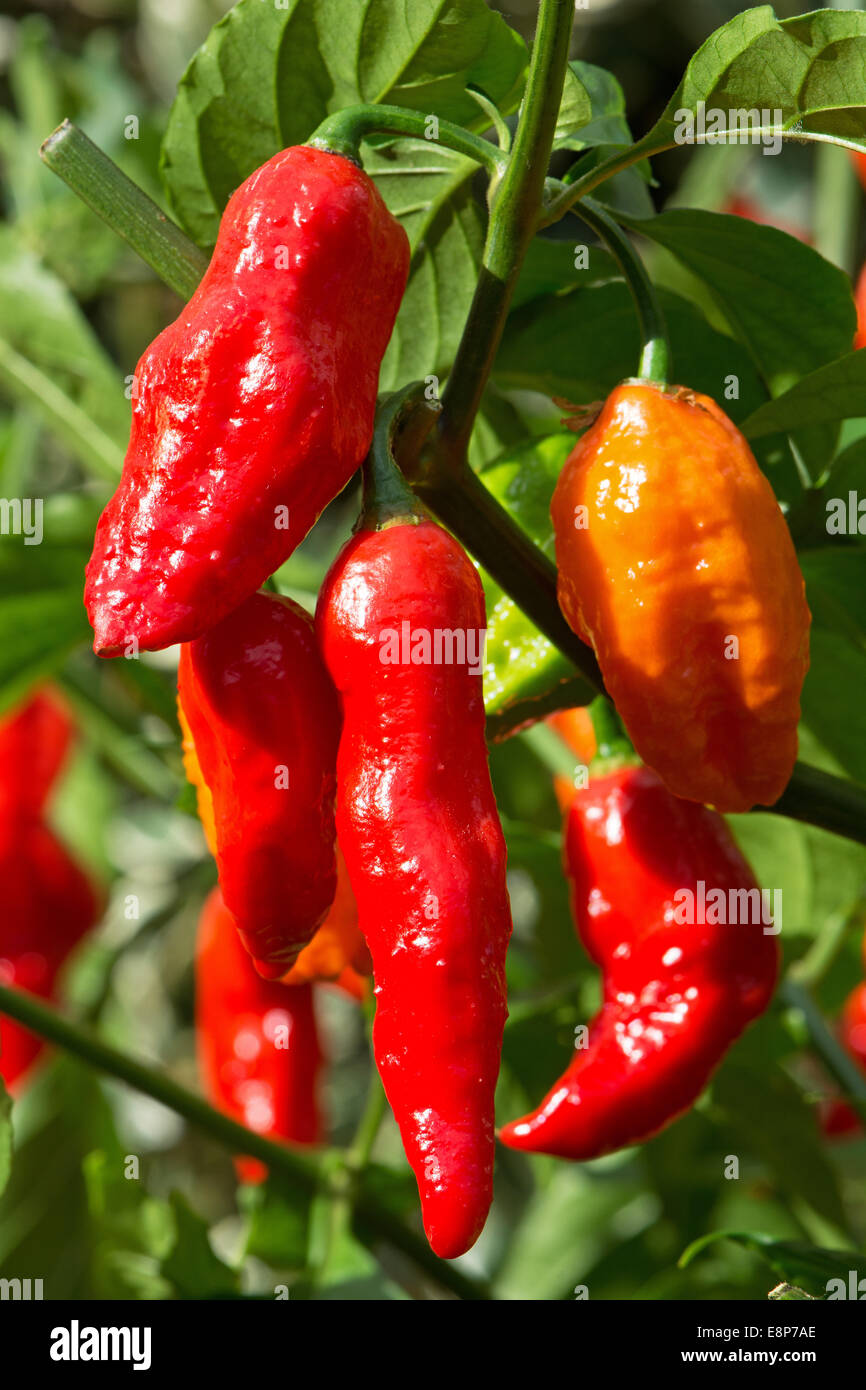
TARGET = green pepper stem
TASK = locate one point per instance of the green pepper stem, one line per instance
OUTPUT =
(655, 357)
(343, 132)
(120, 203)
(387, 496)
(611, 739)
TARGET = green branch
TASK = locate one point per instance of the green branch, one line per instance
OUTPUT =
(120, 203)
(513, 219)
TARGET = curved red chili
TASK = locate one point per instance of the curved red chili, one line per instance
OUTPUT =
(255, 407)
(257, 1041)
(677, 992)
(265, 720)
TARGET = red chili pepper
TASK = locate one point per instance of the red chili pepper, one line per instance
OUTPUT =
(265, 721)
(34, 740)
(46, 906)
(257, 1041)
(676, 994)
(418, 826)
(255, 407)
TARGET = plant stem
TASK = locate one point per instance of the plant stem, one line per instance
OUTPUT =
(655, 355)
(104, 187)
(343, 132)
(819, 798)
(513, 219)
(842, 1068)
(379, 1223)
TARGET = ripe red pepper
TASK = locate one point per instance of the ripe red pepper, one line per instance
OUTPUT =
(34, 740)
(419, 829)
(257, 1041)
(255, 407)
(675, 995)
(265, 721)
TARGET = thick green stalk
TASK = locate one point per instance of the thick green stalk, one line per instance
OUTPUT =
(104, 187)
(513, 219)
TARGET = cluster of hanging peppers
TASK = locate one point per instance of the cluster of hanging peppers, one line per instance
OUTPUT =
(48, 902)
(340, 761)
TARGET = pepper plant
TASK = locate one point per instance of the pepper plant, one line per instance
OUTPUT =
(529, 210)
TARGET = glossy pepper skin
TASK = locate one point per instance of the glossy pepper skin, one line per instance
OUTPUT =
(419, 828)
(675, 996)
(255, 407)
(683, 549)
(257, 1041)
(265, 720)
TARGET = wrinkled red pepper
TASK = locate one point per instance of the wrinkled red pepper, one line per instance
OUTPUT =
(255, 407)
(257, 1041)
(265, 720)
(419, 829)
(676, 995)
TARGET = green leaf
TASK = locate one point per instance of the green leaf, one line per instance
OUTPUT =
(279, 1219)
(5, 1135)
(830, 394)
(429, 190)
(592, 104)
(809, 69)
(580, 345)
(193, 1267)
(790, 1260)
(549, 266)
(266, 77)
(42, 323)
(791, 308)
(769, 1110)
(832, 700)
